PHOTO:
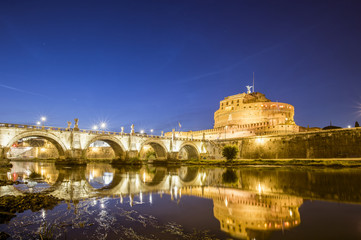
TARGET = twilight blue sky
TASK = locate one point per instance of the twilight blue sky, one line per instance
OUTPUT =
(154, 63)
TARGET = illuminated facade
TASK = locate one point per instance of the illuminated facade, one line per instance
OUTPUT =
(248, 114)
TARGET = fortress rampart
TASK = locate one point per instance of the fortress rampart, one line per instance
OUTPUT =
(339, 143)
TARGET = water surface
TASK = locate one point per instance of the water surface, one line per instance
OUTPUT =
(104, 202)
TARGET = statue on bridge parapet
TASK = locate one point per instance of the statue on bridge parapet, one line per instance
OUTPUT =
(122, 130)
(68, 127)
(76, 124)
(162, 133)
(173, 133)
(132, 129)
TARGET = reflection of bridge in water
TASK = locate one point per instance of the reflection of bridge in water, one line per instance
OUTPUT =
(259, 201)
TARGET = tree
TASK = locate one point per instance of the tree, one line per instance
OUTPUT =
(150, 155)
(230, 152)
(356, 124)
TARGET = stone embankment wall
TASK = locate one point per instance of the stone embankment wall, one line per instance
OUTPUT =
(340, 143)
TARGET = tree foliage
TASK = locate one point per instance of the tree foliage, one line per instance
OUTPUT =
(151, 155)
(357, 124)
(230, 152)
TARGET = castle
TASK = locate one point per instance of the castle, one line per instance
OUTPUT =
(247, 114)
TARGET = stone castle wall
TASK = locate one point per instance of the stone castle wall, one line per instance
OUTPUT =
(340, 143)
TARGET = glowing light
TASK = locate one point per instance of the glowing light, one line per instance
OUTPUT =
(176, 192)
(141, 131)
(38, 123)
(259, 188)
(42, 149)
(43, 119)
(103, 125)
(349, 126)
(141, 197)
(226, 202)
(260, 140)
(107, 178)
(150, 198)
(151, 130)
(95, 127)
(291, 213)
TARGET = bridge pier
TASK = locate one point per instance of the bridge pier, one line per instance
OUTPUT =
(172, 156)
(131, 154)
(73, 156)
(3, 160)
(3, 152)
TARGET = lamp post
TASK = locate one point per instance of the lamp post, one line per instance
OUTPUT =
(43, 119)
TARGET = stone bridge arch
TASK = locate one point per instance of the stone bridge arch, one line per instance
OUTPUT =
(158, 146)
(114, 143)
(190, 149)
(60, 146)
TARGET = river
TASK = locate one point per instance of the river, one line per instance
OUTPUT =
(99, 201)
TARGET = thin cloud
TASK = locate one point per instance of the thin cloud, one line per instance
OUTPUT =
(21, 90)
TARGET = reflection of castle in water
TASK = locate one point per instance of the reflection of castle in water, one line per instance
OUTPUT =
(259, 202)
(242, 213)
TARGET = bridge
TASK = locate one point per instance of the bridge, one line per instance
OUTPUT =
(73, 143)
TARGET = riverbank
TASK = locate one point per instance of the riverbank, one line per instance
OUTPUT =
(334, 162)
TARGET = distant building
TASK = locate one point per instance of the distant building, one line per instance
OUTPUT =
(247, 114)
